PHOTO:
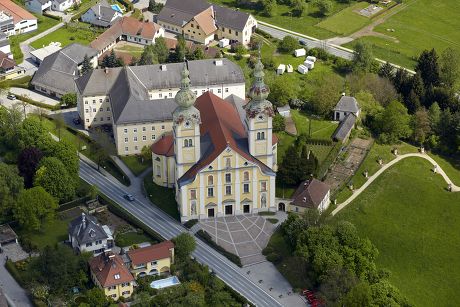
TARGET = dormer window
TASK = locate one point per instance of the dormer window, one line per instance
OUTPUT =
(92, 233)
(116, 276)
(304, 199)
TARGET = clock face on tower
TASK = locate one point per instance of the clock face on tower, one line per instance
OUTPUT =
(261, 117)
(187, 124)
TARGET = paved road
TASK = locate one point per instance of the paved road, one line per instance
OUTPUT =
(168, 228)
(385, 167)
(15, 295)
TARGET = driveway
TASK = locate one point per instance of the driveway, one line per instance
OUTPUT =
(243, 235)
(16, 296)
(35, 96)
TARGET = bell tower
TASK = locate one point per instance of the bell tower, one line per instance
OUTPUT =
(186, 127)
(259, 117)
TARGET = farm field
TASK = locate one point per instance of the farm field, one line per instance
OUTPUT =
(423, 24)
(346, 21)
(415, 224)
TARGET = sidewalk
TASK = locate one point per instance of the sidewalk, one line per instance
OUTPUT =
(15, 295)
(34, 96)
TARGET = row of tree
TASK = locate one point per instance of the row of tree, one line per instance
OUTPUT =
(341, 263)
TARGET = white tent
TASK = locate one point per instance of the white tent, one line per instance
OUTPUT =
(309, 64)
(300, 52)
(311, 58)
(224, 42)
(281, 69)
(302, 69)
(289, 68)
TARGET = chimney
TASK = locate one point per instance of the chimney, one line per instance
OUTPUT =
(163, 67)
(83, 220)
(218, 62)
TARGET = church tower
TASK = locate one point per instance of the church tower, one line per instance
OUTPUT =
(186, 127)
(259, 117)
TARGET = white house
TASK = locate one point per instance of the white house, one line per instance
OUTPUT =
(101, 14)
(15, 19)
(300, 52)
(62, 5)
(38, 6)
(87, 235)
(311, 58)
(345, 106)
(4, 44)
(311, 194)
(284, 111)
(302, 69)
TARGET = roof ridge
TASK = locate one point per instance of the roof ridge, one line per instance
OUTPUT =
(62, 51)
(137, 77)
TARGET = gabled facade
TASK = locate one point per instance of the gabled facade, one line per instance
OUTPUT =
(222, 153)
(101, 15)
(62, 5)
(38, 6)
(152, 260)
(15, 20)
(87, 235)
(202, 22)
(311, 194)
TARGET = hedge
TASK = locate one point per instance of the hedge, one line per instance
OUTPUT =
(74, 203)
(189, 224)
(263, 33)
(52, 16)
(9, 265)
(37, 103)
(230, 256)
(19, 82)
(128, 5)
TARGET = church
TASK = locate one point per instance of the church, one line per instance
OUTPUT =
(221, 154)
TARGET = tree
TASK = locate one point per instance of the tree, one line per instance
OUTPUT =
(103, 148)
(198, 54)
(307, 164)
(434, 114)
(148, 57)
(428, 68)
(109, 60)
(146, 153)
(184, 245)
(181, 49)
(10, 126)
(299, 7)
(28, 161)
(11, 185)
(59, 121)
(69, 100)
(421, 125)
(362, 57)
(268, 7)
(324, 94)
(393, 123)
(54, 178)
(387, 71)
(369, 107)
(402, 82)
(96, 297)
(324, 6)
(281, 91)
(34, 206)
(31, 131)
(417, 92)
(381, 89)
(289, 172)
(154, 7)
(288, 44)
(278, 123)
(161, 50)
(86, 66)
(449, 67)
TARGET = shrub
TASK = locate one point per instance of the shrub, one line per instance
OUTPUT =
(288, 44)
(274, 258)
(267, 250)
(278, 123)
(189, 224)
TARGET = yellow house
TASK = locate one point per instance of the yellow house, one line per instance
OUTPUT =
(223, 153)
(109, 273)
(201, 28)
(152, 260)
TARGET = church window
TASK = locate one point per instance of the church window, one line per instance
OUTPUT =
(246, 188)
(192, 194)
(210, 180)
(228, 178)
(260, 135)
(158, 171)
(228, 190)
(210, 192)
(228, 162)
(246, 176)
(263, 186)
(186, 143)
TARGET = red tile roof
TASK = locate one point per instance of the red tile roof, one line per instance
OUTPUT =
(310, 193)
(150, 253)
(205, 20)
(106, 266)
(5, 62)
(164, 146)
(221, 122)
(16, 11)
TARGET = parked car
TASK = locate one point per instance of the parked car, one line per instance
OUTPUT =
(302, 42)
(128, 197)
(11, 97)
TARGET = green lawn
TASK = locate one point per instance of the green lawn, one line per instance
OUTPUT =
(450, 165)
(130, 238)
(283, 18)
(51, 233)
(423, 24)
(135, 164)
(161, 197)
(135, 51)
(415, 224)
(67, 35)
(346, 21)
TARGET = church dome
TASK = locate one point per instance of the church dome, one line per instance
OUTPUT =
(259, 91)
(185, 98)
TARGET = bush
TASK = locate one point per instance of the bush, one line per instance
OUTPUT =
(11, 267)
(319, 53)
(278, 123)
(51, 16)
(263, 33)
(267, 250)
(230, 256)
(37, 103)
(268, 62)
(189, 224)
(274, 258)
(288, 44)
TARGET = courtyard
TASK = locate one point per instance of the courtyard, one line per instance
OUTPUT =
(243, 235)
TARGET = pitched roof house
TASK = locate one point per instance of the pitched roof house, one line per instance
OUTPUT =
(101, 15)
(109, 273)
(311, 194)
(23, 21)
(346, 111)
(152, 260)
(38, 6)
(87, 235)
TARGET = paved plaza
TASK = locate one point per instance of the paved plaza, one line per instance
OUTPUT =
(243, 235)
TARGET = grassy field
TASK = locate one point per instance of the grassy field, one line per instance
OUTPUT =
(282, 18)
(67, 35)
(415, 224)
(423, 24)
(161, 197)
(135, 51)
(50, 234)
(346, 21)
(135, 164)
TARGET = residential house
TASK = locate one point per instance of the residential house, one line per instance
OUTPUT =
(101, 15)
(23, 21)
(8, 68)
(87, 235)
(109, 273)
(7, 235)
(38, 6)
(311, 194)
(5, 44)
(127, 29)
(58, 71)
(139, 100)
(152, 260)
(224, 159)
(347, 112)
(38, 55)
(62, 5)
(202, 22)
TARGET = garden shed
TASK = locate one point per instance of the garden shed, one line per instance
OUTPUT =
(300, 52)
(302, 69)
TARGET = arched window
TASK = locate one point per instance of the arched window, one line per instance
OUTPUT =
(210, 180)
(228, 162)
(190, 143)
(262, 135)
(185, 143)
(258, 135)
(246, 176)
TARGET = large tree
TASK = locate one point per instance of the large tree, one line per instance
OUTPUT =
(282, 91)
(428, 67)
(31, 131)
(69, 99)
(86, 66)
(34, 206)
(54, 178)
(268, 7)
(11, 185)
(324, 6)
(421, 125)
(362, 57)
(326, 91)
(28, 161)
(288, 44)
(103, 149)
(184, 245)
(393, 123)
(161, 50)
(289, 171)
(450, 67)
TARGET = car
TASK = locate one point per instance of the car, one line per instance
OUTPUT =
(11, 97)
(302, 42)
(128, 197)
(76, 121)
